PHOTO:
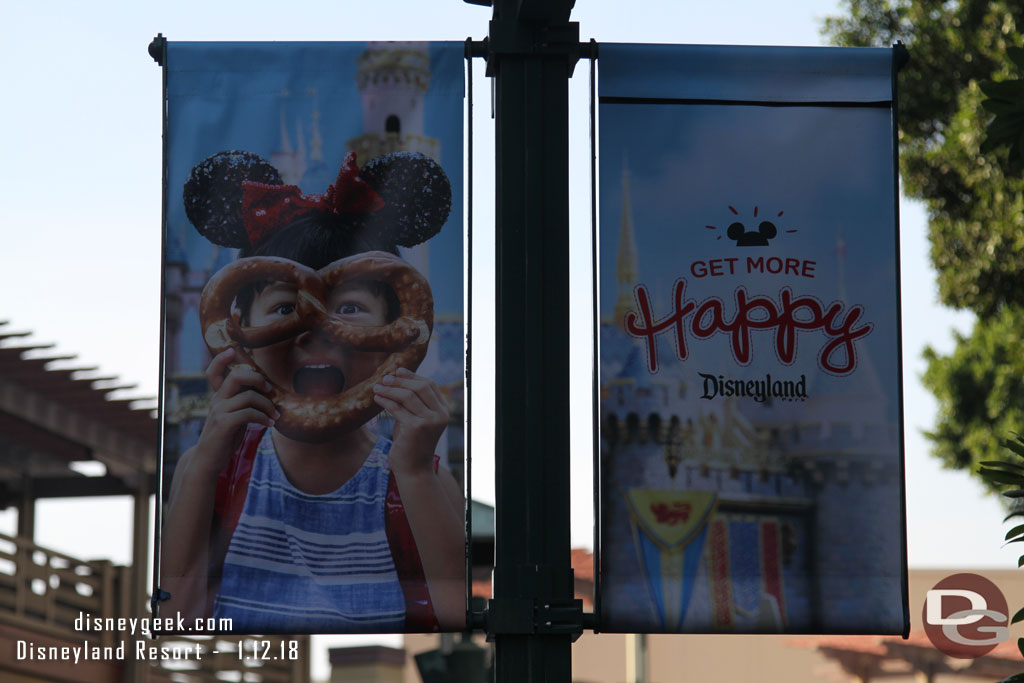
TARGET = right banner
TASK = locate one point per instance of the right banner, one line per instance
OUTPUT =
(751, 395)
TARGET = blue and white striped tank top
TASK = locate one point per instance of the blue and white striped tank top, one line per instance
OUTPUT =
(302, 563)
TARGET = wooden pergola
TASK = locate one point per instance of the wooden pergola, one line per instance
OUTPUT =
(54, 414)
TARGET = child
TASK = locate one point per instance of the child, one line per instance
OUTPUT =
(316, 529)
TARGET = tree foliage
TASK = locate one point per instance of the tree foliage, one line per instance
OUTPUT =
(974, 199)
(1005, 100)
(980, 390)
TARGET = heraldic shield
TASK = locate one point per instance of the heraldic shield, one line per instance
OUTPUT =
(669, 529)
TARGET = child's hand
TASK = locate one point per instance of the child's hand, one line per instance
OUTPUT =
(237, 401)
(421, 415)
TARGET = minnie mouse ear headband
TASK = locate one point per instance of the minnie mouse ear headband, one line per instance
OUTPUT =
(237, 199)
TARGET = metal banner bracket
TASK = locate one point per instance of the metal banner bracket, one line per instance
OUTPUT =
(560, 40)
(526, 616)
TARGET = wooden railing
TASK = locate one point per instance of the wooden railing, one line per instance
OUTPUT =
(44, 591)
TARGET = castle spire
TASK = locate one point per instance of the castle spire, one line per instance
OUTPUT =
(316, 141)
(289, 161)
(286, 143)
(626, 264)
(300, 153)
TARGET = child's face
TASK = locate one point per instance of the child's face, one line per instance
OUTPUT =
(311, 364)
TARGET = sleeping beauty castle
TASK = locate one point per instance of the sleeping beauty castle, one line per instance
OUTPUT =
(393, 79)
(739, 515)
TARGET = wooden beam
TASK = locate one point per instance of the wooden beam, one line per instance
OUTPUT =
(27, 511)
(21, 437)
(140, 545)
(77, 486)
(124, 455)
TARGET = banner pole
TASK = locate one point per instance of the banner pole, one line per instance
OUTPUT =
(158, 51)
(533, 617)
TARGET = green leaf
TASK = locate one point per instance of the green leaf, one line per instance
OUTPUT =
(1003, 90)
(1006, 126)
(1016, 160)
(990, 144)
(1015, 531)
(1020, 646)
(1015, 513)
(1016, 55)
(1018, 617)
(1012, 466)
(1020, 562)
(1017, 446)
(1000, 107)
(1013, 158)
(1000, 477)
(1015, 678)
(1014, 493)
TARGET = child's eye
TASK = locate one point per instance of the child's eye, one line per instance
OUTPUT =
(349, 308)
(284, 309)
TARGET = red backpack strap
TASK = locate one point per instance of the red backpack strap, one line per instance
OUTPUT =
(232, 488)
(233, 482)
(419, 610)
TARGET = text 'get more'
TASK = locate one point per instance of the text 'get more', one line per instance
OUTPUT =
(773, 265)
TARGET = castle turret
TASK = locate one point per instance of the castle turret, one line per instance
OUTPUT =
(318, 174)
(288, 160)
(393, 79)
(316, 141)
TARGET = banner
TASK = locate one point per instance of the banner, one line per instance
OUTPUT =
(751, 422)
(313, 338)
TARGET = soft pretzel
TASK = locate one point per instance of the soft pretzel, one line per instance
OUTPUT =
(312, 418)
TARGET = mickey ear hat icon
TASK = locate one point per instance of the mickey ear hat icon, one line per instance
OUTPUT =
(744, 238)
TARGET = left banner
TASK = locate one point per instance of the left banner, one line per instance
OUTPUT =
(313, 338)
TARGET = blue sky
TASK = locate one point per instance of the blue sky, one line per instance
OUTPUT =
(80, 210)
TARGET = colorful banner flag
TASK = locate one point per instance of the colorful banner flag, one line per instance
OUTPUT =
(750, 341)
(313, 337)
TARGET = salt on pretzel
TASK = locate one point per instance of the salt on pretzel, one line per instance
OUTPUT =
(312, 418)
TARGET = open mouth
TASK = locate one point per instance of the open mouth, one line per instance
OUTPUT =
(318, 380)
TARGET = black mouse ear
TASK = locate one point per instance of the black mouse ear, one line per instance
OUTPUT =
(213, 194)
(735, 231)
(417, 196)
(767, 229)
